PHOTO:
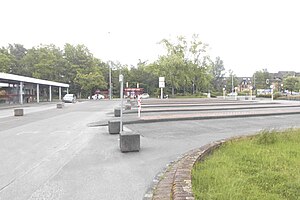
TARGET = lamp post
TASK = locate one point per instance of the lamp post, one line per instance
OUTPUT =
(232, 84)
(110, 66)
(109, 81)
(121, 79)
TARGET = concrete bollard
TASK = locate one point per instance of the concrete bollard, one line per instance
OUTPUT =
(117, 112)
(133, 102)
(127, 106)
(129, 141)
(60, 105)
(114, 126)
(19, 112)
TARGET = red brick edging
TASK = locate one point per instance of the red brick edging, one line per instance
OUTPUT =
(176, 183)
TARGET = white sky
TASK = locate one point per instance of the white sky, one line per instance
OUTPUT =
(247, 35)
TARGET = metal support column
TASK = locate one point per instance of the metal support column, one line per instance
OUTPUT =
(121, 79)
(50, 93)
(59, 93)
(109, 81)
(21, 92)
(37, 93)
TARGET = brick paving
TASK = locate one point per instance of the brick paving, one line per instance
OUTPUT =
(176, 182)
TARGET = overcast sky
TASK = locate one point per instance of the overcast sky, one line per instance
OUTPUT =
(247, 35)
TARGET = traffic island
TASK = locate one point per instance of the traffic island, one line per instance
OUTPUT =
(18, 112)
(129, 141)
(60, 105)
(117, 112)
(114, 126)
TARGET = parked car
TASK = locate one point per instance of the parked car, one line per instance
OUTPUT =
(145, 96)
(69, 98)
(97, 97)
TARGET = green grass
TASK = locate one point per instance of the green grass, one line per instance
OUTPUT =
(266, 166)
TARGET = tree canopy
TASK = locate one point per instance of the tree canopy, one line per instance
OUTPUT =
(186, 66)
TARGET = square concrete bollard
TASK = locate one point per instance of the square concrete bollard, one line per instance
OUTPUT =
(127, 106)
(114, 126)
(19, 112)
(117, 112)
(133, 103)
(129, 141)
(60, 105)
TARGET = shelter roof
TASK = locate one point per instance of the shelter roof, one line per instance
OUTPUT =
(4, 77)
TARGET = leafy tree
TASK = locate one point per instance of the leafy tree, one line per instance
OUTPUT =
(231, 82)
(45, 62)
(291, 83)
(185, 66)
(218, 72)
(5, 61)
(81, 65)
(17, 52)
(90, 82)
(200, 67)
(260, 78)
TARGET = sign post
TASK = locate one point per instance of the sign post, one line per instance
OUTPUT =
(161, 85)
(121, 96)
(272, 96)
(224, 92)
(139, 106)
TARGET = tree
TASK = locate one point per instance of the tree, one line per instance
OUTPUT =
(17, 52)
(81, 65)
(291, 83)
(90, 82)
(218, 72)
(260, 78)
(185, 66)
(200, 65)
(231, 82)
(45, 62)
(5, 61)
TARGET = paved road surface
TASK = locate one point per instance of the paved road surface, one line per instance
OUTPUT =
(55, 155)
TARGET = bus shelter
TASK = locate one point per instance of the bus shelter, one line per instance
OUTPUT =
(22, 89)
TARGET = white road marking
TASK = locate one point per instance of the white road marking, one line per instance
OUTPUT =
(27, 132)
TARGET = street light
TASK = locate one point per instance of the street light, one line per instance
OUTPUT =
(109, 81)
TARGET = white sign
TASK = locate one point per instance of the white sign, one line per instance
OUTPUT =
(161, 84)
(120, 78)
(161, 79)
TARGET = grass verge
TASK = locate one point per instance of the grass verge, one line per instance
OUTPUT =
(266, 166)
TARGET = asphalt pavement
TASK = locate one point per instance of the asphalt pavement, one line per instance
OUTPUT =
(54, 154)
